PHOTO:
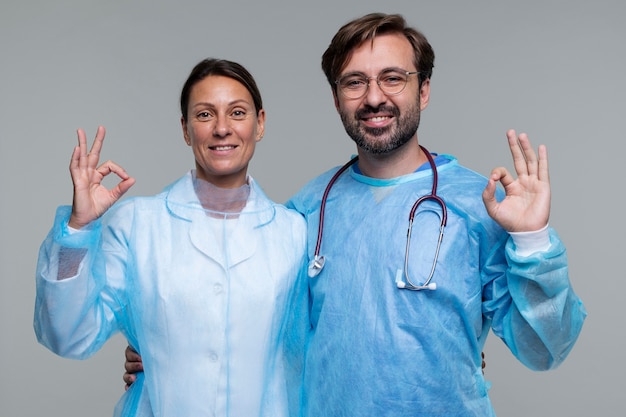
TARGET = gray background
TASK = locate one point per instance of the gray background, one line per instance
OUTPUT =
(554, 69)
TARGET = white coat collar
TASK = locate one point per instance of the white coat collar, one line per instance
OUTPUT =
(182, 202)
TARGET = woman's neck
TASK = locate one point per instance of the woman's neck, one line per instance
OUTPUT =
(221, 200)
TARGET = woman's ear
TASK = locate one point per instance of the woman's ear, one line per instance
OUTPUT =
(260, 125)
(183, 124)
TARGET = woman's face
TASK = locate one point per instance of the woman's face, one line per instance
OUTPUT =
(222, 128)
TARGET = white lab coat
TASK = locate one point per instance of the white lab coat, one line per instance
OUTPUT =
(202, 299)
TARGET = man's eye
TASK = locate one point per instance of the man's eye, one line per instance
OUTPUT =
(392, 79)
(354, 83)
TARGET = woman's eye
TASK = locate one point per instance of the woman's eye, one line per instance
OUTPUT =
(239, 114)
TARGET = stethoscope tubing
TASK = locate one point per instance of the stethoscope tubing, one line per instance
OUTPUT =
(443, 222)
(320, 226)
(317, 263)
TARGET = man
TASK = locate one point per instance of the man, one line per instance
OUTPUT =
(396, 328)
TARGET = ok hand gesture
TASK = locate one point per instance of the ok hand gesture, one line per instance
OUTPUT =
(91, 198)
(526, 207)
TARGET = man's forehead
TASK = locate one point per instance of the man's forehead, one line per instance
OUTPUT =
(385, 51)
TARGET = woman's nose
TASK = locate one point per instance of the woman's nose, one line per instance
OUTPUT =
(222, 127)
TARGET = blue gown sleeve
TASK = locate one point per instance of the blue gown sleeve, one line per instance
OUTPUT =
(74, 316)
(533, 306)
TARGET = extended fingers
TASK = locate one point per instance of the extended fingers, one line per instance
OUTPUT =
(97, 144)
(74, 161)
(526, 161)
(517, 152)
(82, 141)
(529, 154)
(84, 158)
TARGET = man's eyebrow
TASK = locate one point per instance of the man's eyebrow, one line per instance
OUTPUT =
(388, 69)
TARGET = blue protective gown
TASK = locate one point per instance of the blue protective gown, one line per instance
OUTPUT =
(202, 299)
(376, 350)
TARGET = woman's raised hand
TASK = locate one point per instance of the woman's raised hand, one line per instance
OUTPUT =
(91, 198)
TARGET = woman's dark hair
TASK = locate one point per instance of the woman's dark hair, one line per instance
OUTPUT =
(225, 68)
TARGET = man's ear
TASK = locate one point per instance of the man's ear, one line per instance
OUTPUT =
(424, 94)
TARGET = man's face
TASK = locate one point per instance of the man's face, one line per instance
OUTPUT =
(380, 123)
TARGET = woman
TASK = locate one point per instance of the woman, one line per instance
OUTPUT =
(201, 272)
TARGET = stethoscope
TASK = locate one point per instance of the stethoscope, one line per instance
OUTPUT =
(317, 263)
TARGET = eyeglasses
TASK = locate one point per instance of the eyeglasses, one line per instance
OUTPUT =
(391, 82)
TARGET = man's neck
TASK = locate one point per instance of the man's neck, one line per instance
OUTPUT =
(402, 161)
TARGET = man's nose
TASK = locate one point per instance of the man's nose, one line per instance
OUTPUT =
(374, 96)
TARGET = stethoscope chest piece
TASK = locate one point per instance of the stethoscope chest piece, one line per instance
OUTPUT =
(316, 265)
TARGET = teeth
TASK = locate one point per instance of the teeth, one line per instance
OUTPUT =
(379, 118)
(223, 148)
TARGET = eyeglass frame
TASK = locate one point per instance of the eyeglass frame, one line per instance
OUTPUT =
(377, 78)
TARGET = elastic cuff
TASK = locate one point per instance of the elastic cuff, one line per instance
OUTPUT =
(527, 243)
(71, 230)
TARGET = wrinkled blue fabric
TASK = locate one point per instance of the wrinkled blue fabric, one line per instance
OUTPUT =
(202, 299)
(375, 350)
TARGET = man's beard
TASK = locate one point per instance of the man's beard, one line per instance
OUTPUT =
(382, 140)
